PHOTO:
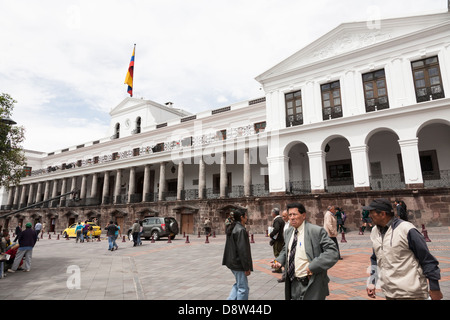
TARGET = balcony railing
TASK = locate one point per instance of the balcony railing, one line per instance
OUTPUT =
(387, 181)
(436, 179)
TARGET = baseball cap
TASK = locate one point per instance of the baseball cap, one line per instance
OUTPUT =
(28, 225)
(379, 204)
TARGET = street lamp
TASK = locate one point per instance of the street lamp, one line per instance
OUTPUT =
(8, 121)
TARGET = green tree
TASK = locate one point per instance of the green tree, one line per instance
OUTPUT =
(12, 156)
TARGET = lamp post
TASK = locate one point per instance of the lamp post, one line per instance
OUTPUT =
(8, 121)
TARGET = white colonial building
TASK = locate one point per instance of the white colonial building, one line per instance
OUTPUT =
(360, 113)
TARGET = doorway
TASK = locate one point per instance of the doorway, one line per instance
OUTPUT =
(187, 223)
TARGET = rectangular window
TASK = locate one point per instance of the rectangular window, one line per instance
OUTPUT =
(27, 171)
(331, 100)
(260, 127)
(427, 79)
(186, 142)
(375, 90)
(158, 148)
(294, 108)
(339, 172)
(221, 135)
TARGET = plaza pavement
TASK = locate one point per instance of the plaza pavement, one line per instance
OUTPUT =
(65, 270)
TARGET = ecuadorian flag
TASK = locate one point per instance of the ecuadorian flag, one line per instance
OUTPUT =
(129, 77)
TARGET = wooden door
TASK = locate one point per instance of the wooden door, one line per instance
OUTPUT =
(187, 223)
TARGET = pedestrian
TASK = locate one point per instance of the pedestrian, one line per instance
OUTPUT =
(237, 255)
(401, 263)
(330, 225)
(141, 229)
(85, 231)
(18, 231)
(5, 242)
(27, 240)
(207, 225)
(135, 231)
(307, 255)
(285, 217)
(91, 232)
(340, 218)
(38, 228)
(116, 235)
(367, 222)
(12, 252)
(400, 208)
(229, 220)
(111, 229)
(79, 231)
(276, 235)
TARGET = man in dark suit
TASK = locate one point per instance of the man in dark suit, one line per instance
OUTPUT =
(307, 255)
(277, 236)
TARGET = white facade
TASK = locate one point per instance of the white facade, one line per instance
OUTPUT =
(156, 152)
(344, 55)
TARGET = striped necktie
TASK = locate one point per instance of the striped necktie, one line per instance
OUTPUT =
(291, 267)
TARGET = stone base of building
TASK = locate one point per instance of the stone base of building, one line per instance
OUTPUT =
(430, 207)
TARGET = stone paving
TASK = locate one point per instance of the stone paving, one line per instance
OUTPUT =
(66, 270)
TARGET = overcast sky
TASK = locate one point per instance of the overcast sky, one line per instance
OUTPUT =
(65, 61)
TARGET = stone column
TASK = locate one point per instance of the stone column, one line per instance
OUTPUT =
(105, 194)
(146, 186)
(180, 182)
(54, 203)
(23, 196)
(278, 174)
(83, 187)
(94, 186)
(31, 195)
(411, 163)
(360, 167)
(223, 176)
(39, 192)
(247, 174)
(132, 184)
(201, 178)
(62, 200)
(317, 171)
(10, 198)
(117, 187)
(73, 186)
(46, 191)
(162, 181)
(16, 197)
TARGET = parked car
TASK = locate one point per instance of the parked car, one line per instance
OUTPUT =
(70, 231)
(158, 227)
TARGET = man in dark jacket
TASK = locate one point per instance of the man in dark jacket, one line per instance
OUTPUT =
(111, 229)
(237, 256)
(27, 240)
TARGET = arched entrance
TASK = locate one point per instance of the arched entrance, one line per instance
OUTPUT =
(385, 160)
(299, 172)
(338, 164)
(434, 153)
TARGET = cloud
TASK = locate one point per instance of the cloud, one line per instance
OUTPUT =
(67, 60)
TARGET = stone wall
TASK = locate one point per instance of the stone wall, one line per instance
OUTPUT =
(430, 207)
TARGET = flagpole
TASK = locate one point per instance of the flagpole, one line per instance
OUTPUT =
(134, 50)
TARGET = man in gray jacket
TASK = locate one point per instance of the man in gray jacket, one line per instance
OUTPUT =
(307, 255)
